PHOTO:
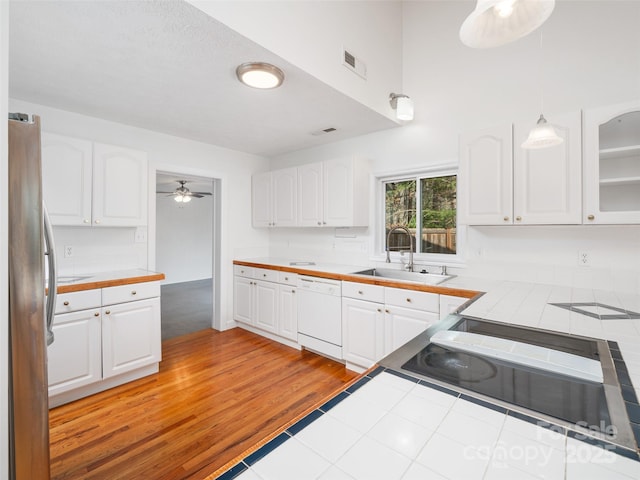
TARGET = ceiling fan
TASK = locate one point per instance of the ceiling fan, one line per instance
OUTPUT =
(183, 195)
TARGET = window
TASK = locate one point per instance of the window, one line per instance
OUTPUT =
(426, 206)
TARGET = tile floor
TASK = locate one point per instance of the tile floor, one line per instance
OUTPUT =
(390, 428)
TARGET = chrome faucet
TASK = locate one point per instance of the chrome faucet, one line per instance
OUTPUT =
(406, 230)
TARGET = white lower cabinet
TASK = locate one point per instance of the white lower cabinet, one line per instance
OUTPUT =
(130, 336)
(362, 332)
(449, 303)
(75, 357)
(402, 324)
(267, 300)
(103, 338)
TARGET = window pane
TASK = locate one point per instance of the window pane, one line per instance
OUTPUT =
(438, 215)
(400, 210)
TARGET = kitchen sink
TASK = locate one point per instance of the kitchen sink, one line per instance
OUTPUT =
(417, 277)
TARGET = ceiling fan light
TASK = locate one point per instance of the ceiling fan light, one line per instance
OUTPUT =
(496, 22)
(186, 198)
(543, 135)
(260, 75)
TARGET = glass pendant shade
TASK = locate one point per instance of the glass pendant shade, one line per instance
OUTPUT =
(497, 22)
(542, 135)
(404, 109)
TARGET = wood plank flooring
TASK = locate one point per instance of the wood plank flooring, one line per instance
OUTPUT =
(187, 307)
(217, 394)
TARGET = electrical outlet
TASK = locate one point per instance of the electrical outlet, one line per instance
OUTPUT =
(141, 235)
(584, 258)
(68, 251)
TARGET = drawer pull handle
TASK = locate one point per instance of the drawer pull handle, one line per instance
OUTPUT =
(66, 304)
(409, 300)
(96, 314)
(133, 292)
(108, 312)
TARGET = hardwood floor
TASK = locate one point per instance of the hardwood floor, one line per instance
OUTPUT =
(217, 395)
(186, 307)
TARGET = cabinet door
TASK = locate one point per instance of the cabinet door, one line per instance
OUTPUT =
(243, 300)
(612, 164)
(130, 336)
(310, 195)
(120, 185)
(266, 306)
(261, 200)
(288, 312)
(338, 192)
(485, 189)
(66, 179)
(403, 324)
(547, 182)
(75, 358)
(362, 332)
(285, 197)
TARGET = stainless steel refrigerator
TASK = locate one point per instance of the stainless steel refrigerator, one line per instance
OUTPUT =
(30, 309)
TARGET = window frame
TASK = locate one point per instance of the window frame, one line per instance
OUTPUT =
(380, 253)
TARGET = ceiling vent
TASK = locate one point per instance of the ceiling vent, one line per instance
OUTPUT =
(324, 131)
(354, 64)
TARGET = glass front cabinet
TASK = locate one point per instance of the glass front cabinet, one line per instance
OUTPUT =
(612, 164)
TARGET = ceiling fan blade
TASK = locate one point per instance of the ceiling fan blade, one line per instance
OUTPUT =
(196, 195)
(167, 192)
(203, 193)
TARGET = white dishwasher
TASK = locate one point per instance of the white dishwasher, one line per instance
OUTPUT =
(320, 315)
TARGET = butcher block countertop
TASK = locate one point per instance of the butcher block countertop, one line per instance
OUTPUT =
(90, 281)
(343, 272)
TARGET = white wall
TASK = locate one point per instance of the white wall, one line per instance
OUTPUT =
(184, 236)
(168, 153)
(592, 58)
(312, 34)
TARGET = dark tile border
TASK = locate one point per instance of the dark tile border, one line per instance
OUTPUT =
(304, 422)
(233, 472)
(267, 448)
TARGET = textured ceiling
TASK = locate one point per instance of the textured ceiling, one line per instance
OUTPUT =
(167, 66)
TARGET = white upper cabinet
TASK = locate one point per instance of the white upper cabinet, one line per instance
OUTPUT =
(334, 193)
(87, 183)
(500, 183)
(67, 166)
(612, 164)
(547, 182)
(119, 186)
(310, 195)
(274, 198)
(485, 189)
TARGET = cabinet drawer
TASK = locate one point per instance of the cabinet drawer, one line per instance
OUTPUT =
(363, 291)
(288, 278)
(429, 302)
(265, 274)
(129, 293)
(72, 302)
(243, 271)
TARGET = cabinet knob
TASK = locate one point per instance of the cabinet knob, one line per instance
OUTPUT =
(506, 219)
(387, 310)
(133, 292)
(108, 312)
(408, 300)
(360, 292)
(286, 279)
(96, 314)
(293, 291)
(591, 217)
(379, 310)
(264, 275)
(319, 223)
(85, 220)
(324, 223)
(518, 219)
(66, 304)
(97, 221)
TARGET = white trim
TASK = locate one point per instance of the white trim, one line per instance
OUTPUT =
(425, 259)
(218, 268)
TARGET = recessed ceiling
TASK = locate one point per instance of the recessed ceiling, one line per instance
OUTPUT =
(168, 67)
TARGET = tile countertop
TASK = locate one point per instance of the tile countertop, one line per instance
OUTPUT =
(90, 281)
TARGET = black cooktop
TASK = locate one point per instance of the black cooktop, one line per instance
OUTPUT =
(567, 398)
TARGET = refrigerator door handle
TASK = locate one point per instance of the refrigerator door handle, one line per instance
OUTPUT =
(50, 252)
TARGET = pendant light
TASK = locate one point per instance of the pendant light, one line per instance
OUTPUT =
(496, 22)
(543, 135)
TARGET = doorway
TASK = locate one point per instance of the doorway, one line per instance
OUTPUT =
(185, 240)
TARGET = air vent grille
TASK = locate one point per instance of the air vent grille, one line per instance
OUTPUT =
(324, 131)
(353, 63)
(349, 59)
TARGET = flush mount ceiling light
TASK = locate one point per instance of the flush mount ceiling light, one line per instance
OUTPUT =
(497, 22)
(260, 75)
(403, 106)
